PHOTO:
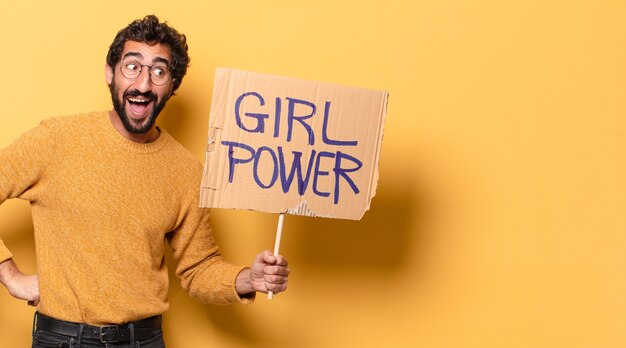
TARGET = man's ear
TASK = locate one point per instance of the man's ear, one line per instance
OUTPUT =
(108, 74)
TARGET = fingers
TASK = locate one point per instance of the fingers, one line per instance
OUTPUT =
(281, 261)
(269, 258)
(277, 285)
(277, 270)
(273, 272)
(276, 278)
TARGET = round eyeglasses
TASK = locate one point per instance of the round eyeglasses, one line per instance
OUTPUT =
(159, 73)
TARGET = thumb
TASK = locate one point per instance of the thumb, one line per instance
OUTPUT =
(266, 257)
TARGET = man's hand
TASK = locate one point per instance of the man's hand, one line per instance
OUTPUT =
(21, 286)
(268, 272)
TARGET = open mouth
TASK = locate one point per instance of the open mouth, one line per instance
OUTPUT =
(139, 106)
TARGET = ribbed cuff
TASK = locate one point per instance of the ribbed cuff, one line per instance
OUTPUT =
(249, 298)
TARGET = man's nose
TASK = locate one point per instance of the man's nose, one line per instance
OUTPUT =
(142, 82)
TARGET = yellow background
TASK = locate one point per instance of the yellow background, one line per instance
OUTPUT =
(500, 219)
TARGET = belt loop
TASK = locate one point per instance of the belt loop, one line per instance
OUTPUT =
(131, 326)
(81, 329)
(35, 322)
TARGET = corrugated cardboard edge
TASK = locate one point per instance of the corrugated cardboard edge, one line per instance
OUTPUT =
(209, 184)
(301, 209)
(376, 170)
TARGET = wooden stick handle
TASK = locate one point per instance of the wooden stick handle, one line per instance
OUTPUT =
(279, 233)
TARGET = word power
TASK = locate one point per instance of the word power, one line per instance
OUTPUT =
(285, 164)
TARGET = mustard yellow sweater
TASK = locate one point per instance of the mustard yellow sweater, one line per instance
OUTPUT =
(103, 208)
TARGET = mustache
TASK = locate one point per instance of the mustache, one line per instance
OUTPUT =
(135, 93)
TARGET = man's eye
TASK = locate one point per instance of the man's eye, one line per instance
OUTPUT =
(158, 71)
(131, 66)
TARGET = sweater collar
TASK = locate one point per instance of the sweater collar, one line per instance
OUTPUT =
(130, 145)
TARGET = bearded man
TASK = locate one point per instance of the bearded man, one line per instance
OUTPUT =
(108, 190)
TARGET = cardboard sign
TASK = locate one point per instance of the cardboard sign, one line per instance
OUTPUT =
(285, 145)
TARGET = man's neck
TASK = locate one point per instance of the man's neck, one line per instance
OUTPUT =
(148, 137)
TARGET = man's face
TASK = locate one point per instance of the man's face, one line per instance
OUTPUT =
(138, 101)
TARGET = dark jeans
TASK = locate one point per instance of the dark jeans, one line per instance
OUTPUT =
(46, 339)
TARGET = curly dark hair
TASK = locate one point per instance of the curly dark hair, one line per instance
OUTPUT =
(150, 31)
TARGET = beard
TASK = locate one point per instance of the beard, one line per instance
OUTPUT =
(119, 107)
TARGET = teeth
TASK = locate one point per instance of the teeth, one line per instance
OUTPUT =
(138, 100)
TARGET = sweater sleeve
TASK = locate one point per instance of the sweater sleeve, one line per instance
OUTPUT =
(203, 272)
(22, 165)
